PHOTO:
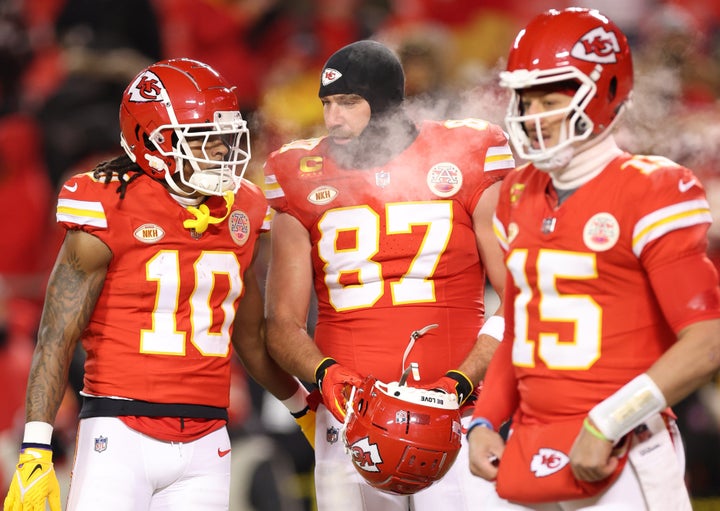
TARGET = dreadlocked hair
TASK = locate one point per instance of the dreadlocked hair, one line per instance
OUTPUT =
(121, 166)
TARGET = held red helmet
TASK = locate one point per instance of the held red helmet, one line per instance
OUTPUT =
(402, 439)
(177, 104)
(578, 50)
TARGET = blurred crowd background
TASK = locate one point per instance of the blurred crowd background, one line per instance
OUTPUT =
(65, 63)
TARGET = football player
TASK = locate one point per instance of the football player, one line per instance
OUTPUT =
(612, 305)
(155, 278)
(390, 224)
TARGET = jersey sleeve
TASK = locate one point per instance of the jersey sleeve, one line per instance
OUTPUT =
(274, 193)
(280, 166)
(82, 203)
(488, 149)
(499, 396)
(670, 238)
(252, 195)
(510, 191)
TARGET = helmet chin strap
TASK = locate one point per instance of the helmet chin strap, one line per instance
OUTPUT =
(202, 214)
(349, 411)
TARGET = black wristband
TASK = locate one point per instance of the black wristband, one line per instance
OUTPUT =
(301, 413)
(464, 386)
(30, 445)
(322, 368)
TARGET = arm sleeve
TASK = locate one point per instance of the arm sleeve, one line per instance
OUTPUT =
(499, 397)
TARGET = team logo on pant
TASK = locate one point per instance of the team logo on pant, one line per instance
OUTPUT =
(332, 434)
(100, 443)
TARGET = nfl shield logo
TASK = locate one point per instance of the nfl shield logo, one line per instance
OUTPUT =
(332, 435)
(100, 443)
(382, 178)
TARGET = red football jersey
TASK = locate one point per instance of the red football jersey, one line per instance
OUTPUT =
(160, 331)
(393, 247)
(602, 283)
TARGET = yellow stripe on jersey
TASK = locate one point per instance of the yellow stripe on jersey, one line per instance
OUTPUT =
(500, 234)
(668, 219)
(81, 212)
(267, 221)
(499, 157)
(273, 190)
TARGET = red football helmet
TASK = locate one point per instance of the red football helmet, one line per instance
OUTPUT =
(402, 439)
(576, 46)
(178, 102)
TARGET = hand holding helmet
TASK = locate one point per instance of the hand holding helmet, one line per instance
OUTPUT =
(334, 382)
(402, 439)
(453, 382)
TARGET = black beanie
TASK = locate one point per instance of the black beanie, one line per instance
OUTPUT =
(366, 68)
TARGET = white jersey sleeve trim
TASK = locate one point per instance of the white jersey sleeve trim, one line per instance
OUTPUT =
(668, 219)
(499, 157)
(81, 213)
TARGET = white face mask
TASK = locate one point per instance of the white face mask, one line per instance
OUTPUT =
(524, 129)
(218, 153)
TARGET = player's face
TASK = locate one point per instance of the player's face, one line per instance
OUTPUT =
(540, 102)
(215, 149)
(346, 116)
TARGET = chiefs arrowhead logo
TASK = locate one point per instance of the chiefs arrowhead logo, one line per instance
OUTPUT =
(365, 455)
(330, 75)
(598, 46)
(146, 88)
(548, 461)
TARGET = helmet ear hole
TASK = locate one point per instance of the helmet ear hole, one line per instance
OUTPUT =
(148, 145)
(361, 409)
(612, 88)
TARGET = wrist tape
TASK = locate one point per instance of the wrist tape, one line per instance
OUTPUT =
(298, 401)
(37, 432)
(627, 408)
(494, 326)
